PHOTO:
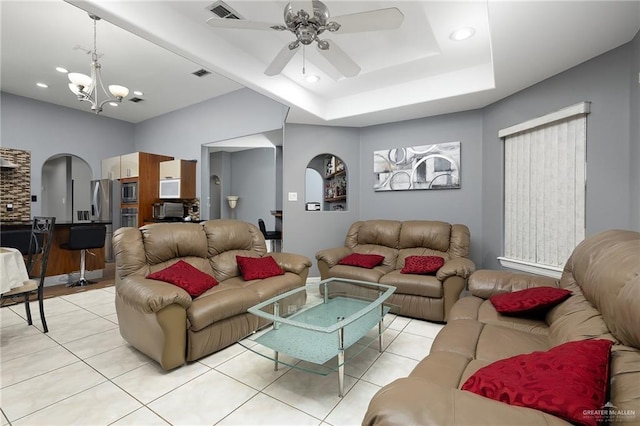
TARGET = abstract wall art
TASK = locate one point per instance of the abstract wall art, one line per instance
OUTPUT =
(417, 167)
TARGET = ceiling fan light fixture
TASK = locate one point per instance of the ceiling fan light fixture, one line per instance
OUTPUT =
(312, 78)
(462, 34)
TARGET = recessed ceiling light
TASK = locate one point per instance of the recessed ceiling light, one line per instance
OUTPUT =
(113, 104)
(312, 78)
(138, 93)
(43, 85)
(462, 34)
(62, 70)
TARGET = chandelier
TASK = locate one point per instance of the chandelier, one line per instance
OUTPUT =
(86, 88)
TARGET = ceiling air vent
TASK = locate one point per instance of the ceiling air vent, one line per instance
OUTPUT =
(223, 11)
(201, 72)
(136, 100)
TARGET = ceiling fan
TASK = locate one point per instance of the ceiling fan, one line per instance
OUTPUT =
(307, 19)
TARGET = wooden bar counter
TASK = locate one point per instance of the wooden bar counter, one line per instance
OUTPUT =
(63, 261)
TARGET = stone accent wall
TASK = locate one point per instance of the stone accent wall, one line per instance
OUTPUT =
(15, 186)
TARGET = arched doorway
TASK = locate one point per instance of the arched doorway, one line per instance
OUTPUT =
(66, 188)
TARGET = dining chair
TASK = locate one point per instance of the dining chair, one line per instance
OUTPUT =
(37, 257)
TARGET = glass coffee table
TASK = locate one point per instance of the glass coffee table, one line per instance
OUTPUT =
(318, 322)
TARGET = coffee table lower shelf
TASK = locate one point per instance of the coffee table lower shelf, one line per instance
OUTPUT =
(322, 332)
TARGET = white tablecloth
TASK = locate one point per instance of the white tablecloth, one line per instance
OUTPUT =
(13, 272)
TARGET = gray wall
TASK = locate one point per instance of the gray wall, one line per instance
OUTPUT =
(47, 130)
(604, 81)
(462, 205)
(634, 158)
(253, 179)
(308, 232)
(182, 133)
(609, 81)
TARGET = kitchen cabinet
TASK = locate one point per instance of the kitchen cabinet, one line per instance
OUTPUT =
(182, 174)
(111, 168)
(130, 165)
(142, 168)
(122, 166)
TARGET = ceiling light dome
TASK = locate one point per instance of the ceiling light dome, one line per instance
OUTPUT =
(462, 34)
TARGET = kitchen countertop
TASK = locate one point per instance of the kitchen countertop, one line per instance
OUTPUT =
(169, 220)
(28, 223)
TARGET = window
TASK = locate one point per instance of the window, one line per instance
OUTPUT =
(544, 190)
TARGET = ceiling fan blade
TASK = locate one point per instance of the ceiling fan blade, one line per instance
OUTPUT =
(343, 63)
(280, 61)
(240, 24)
(374, 20)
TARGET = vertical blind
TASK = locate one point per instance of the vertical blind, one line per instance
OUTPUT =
(544, 194)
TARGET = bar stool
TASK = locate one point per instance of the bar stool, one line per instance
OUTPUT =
(84, 238)
(271, 236)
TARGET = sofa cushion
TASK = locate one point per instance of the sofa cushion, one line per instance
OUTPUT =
(536, 299)
(433, 234)
(185, 276)
(414, 284)
(254, 268)
(567, 381)
(220, 303)
(361, 260)
(422, 264)
(355, 273)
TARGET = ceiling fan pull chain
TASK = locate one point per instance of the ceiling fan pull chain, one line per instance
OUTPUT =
(304, 59)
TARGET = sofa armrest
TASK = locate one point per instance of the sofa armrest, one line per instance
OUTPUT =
(291, 262)
(458, 266)
(417, 401)
(332, 256)
(149, 296)
(486, 283)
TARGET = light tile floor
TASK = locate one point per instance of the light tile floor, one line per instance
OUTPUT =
(82, 372)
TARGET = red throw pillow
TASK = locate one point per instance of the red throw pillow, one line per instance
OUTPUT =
(362, 260)
(255, 268)
(568, 381)
(191, 279)
(422, 264)
(529, 300)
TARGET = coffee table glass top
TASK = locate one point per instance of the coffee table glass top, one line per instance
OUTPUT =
(317, 322)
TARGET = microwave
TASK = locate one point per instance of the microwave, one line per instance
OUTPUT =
(129, 192)
(168, 210)
(170, 188)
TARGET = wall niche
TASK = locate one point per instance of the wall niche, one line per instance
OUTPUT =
(326, 184)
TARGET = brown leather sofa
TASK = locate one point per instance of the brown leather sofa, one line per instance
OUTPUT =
(428, 297)
(161, 319)
(603, 274)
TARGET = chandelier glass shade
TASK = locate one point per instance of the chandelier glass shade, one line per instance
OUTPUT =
(87, 88)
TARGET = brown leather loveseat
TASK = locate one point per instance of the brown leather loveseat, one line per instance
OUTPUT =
(428, 297)
(603, 276)
(163, 320)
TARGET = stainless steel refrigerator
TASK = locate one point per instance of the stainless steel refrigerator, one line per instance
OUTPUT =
(105, 207)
